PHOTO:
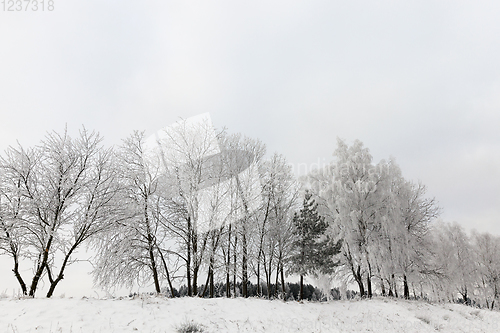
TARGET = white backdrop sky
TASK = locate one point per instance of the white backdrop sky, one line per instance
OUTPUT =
(416, 80)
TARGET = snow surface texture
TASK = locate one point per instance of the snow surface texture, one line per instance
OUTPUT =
(155, 314)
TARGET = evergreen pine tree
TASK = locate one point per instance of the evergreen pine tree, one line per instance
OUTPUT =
(314, 249)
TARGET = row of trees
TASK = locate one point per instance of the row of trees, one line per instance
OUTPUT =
(392, 244)
(203, 208)
(470, 265)
(383, 219)
(196, 205)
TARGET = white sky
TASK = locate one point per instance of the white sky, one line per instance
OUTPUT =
(416, 80)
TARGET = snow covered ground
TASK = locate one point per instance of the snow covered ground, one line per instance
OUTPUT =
(156, 314)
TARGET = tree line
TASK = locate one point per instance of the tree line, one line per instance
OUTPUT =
(189, 213)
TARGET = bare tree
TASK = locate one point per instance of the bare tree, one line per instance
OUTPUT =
(188, 154)
(16, 167)
(65, 192)
(487, 253)
(131, 251)
(356, 199)
(274, 222)
(455, 256)
(415, 215)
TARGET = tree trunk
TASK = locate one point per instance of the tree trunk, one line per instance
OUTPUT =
(301, 294)
(261, 251)
(228, 287)
(53, 286)
(269, 286)
(60, 276)
(405, 287)
(14, 251)
(154, 270)
(212, 289)
(195, 280)
(393, 279)
(211, 275)
(41, 267)
(234, 268)
(465, 299)
(382, 286)
(244, 265)
(276, 291)
(369, 278)
(166, 272)
(18, 276)
(495, 295)
(369, 285)
(283, 283)
(268, 279)
(206, 284)
(196, 266)
(151, 244)
(259, 290)
(188, 261)
(359, 281)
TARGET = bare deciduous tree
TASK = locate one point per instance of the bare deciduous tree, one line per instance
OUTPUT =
(131, 252)
(60, 194)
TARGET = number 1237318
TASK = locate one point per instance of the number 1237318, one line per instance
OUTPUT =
(27, 5)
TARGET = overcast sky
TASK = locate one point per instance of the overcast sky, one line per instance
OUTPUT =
(415, 80)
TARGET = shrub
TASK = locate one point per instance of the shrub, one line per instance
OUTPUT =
(189, 327)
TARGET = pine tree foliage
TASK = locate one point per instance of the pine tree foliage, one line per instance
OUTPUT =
(314, 250)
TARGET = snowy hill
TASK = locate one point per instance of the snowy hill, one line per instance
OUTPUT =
(152, 314)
